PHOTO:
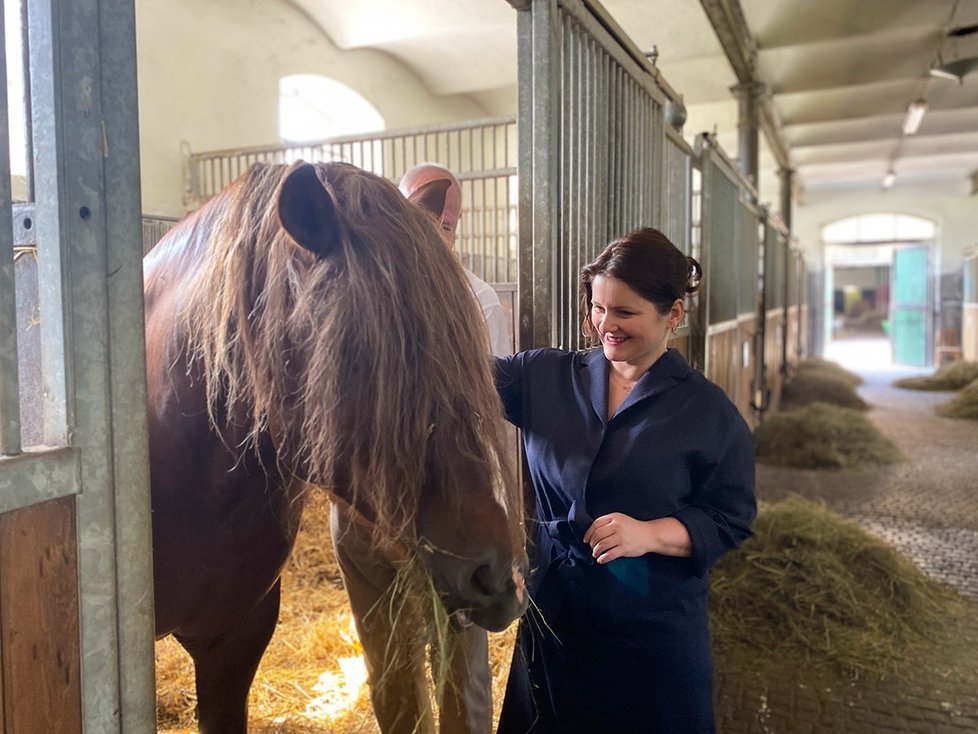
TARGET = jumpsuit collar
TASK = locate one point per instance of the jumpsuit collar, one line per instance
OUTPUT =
(663, 374)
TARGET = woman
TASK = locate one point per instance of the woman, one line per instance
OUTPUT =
(643, 473)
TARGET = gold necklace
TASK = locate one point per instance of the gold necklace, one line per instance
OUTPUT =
(621, 382)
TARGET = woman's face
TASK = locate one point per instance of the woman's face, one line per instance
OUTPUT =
(631, 328)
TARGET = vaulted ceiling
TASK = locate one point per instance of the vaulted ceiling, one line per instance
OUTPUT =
(840, 74)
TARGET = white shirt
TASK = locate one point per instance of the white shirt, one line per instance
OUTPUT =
(492, 312)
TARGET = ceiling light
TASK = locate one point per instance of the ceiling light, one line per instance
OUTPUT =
(915, 115)
(888, 179)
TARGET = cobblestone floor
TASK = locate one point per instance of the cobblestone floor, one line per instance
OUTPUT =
(927, 507)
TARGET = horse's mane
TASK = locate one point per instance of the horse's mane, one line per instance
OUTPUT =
(378, 350)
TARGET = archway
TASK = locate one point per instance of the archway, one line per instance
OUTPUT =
(880, 288)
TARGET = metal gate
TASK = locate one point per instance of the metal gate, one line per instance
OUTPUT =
(725, 343)
(481, 154)
(595, 158)
(76, 611)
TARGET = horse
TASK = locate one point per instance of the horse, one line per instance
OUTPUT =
(308, 328)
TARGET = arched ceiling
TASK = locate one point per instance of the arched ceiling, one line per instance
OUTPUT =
(840, 73)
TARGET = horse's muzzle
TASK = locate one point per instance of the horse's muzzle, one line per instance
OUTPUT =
(488, 592)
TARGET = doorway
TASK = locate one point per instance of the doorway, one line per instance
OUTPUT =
(879, 290)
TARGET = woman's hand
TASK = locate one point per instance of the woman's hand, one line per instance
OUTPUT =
(616, 535)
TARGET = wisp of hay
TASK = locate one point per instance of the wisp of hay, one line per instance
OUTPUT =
(820, 435)
(962, 405)
(816, 588)
(827, 367)
(815, 385)
(953, 376)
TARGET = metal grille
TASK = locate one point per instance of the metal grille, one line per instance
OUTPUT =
(593, 158)
(481, 153)
(675, 220)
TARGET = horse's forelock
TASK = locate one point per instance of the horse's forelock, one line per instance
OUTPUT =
(374, 347)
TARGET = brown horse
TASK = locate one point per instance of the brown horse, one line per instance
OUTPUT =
(308, 327)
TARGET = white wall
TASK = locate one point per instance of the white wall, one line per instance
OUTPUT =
(950, 206)
(209, 72)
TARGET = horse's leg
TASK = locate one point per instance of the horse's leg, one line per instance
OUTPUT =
(393, 652)
(466, 702)
(225, 667)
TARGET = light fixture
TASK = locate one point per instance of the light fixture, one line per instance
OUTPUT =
(915, 115)
(889, 179)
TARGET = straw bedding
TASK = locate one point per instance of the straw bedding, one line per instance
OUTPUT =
(826, 367)
(818, 385)
(962, 405)
(815, 588)
(821, 435)
(953, 376)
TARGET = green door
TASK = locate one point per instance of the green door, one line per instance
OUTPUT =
(909, 306)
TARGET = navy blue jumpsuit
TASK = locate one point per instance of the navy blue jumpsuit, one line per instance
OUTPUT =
(623, 646)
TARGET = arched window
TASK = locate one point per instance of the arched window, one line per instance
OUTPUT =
(313, 107)
(873, 228)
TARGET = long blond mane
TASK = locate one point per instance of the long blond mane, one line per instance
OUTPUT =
(360, 365)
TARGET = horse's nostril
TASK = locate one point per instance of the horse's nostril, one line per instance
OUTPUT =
(484, 583)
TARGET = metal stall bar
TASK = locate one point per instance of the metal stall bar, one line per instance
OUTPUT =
(723, 333)
(591, 127)
(10, 443)
(86, 153)
(775, 306)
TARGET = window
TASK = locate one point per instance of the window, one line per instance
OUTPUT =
(313, 107)
(879, 228)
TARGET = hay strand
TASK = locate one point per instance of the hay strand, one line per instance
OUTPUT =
(953, 376)
(818, 589)
(820, 435)
(962, 405)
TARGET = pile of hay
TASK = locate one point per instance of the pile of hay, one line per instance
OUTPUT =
(817, 365)
(815, 588)
(953, 376)
(820, 435)
(816, 385)
(962, 405)
(312, 678)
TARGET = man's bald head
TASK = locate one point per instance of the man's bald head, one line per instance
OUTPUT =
(415, 183)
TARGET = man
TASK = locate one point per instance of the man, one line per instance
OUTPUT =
(411, 184)
(398, 687)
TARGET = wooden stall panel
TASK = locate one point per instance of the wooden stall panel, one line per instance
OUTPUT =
(723, 367)
(772, 356)
(39, 636)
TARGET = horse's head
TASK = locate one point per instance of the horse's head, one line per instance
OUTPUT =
(351, 335)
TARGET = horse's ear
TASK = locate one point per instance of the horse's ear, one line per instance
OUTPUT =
(307, 212)
(432, 196)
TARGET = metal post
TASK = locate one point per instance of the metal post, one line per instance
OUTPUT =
(748, 127)
(9, 390)
(90, 249)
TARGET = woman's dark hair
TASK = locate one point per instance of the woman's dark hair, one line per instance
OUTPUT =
(648, 263)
